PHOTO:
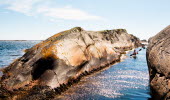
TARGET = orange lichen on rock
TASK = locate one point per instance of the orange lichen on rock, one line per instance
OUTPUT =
(49, 52)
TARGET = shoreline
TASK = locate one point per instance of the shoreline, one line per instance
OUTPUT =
(52, 66)
(64, 87)
(96, 71)
(117, 76)
(21, 40)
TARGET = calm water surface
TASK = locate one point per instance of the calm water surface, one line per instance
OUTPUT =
(127, 80)
(10, 50)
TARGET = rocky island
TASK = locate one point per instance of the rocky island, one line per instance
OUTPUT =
(53, 65)
(158, 58)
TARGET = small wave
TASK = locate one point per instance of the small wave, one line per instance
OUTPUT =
(14, 55)
(110, 93)
(132, 77)
(132, 83)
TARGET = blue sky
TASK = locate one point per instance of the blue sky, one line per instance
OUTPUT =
(40, 19)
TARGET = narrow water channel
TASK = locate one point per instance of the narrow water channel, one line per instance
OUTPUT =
(128, 80)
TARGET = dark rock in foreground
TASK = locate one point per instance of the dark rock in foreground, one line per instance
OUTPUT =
(158, 58)
(53, 65)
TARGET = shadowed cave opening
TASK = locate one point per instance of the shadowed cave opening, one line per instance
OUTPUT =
(41, 66)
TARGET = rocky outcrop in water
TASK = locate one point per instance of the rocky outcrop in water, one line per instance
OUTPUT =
(159, 64)
(53, 65)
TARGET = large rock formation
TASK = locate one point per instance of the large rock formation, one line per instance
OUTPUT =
(59, 61)
(158, 58)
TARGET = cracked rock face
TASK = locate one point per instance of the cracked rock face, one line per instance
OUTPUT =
(65, 56)
(158, 58)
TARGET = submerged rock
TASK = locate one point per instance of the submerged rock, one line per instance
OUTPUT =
(56, 63)
(158, 59)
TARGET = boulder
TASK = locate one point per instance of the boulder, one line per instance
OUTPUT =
(61, 60)
(158, 59)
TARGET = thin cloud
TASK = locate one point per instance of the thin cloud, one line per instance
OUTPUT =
(22, 6)
(36, 7)
(66, 13)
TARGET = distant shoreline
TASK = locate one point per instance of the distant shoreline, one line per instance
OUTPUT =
(21, 40)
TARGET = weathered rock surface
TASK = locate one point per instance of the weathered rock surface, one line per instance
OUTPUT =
(158, 58)
(51, 66)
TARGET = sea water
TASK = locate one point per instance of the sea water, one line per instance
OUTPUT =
(11, 50)
(127, 80)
